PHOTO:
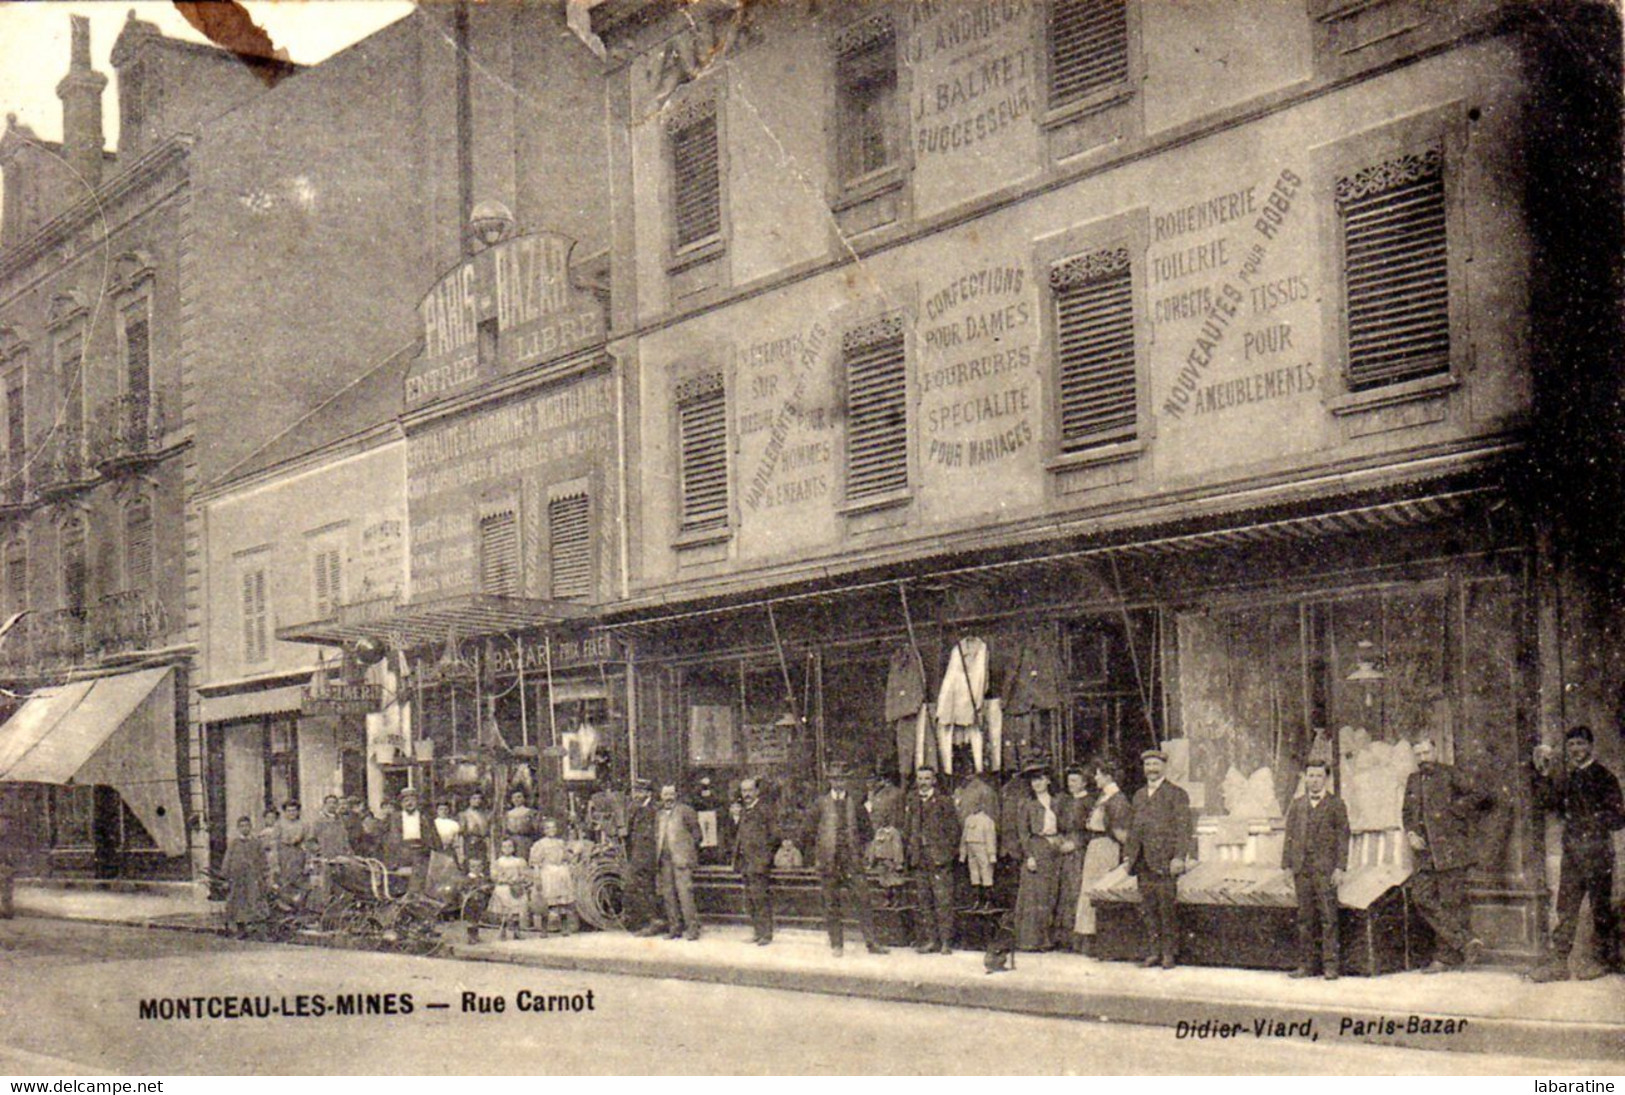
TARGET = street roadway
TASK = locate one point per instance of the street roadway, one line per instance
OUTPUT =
(71, 993)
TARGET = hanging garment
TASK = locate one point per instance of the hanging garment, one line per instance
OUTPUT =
(1033, 682)
(964, 684)
(927, 740)
(993, 716)
(905, 685)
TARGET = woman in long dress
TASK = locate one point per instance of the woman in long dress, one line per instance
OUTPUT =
(244, 868)
(1041, 840)
(1107, 829)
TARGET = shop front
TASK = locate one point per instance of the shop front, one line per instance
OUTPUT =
(95, 779)
(1244, 647)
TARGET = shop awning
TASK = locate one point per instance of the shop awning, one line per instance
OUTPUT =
(1244, 530)
(425, 623)
(118, 731)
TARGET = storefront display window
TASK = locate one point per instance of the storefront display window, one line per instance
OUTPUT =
(1243, 706)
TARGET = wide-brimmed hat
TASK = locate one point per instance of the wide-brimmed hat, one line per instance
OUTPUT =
(1038, 766)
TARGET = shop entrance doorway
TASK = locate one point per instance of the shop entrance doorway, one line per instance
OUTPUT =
(1112, 659)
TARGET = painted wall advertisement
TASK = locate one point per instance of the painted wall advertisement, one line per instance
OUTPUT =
(493, 459)
(506, 308)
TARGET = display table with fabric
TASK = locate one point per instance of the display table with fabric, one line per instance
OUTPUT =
(1234, 913)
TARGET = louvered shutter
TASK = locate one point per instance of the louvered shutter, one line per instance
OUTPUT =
(696, 194)
(1088, 48)
(1094, 326)
(16, 433)
(877, 411)
(499, 554)
(137, 365)
(68, 385)
(1396, 270)
(138, 547)
(254, 644)
(16, 578)
(318, 566)
(73, 568)
(702, 425)
(569, 538)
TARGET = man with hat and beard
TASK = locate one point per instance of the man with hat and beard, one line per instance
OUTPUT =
(838, 827)
(1161, 847)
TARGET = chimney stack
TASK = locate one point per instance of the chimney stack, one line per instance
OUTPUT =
(81, 95)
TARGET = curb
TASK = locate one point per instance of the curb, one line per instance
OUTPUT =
(1474, 1034)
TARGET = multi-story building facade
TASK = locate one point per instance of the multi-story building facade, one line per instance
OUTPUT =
(101, 764)
(1209, 367)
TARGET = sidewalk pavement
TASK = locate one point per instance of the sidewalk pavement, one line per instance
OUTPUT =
(1487, 1010)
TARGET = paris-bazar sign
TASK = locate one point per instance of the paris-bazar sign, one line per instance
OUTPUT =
(506, 308)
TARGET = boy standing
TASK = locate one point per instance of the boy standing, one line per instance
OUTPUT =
(1317, 854)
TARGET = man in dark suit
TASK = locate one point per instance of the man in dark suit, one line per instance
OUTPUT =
(677, 852)
(640, 897)
(1437, 814)
(931, 847)
(410, 839)
(1587, 797)
(755, 841)
(838, 828)
(1317, 854)
(1161, 847)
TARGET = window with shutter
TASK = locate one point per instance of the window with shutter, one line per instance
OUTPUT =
(16, 576)
(569, 538)
(499, 554)
(1096, 374)
(326, 576)
(137, 364)
(1088, 49)
(16, 434)
(696, 176)
(1395, 270)
(69, 363)
(877, 408)
(138, 547)
(866, 97)
(254, 636)
(74, 575)
(702, 427)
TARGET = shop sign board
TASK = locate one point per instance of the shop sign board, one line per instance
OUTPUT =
(337, 700)
(523, 287)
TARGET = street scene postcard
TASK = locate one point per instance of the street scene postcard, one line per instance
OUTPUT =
(803, 537)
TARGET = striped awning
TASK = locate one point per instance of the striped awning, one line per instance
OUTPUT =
(425, 623)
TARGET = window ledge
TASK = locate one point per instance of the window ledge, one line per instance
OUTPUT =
(1083, 108)
(692, 254)
(1110, 453)
(868, 187)
(1390, 394)
(870, 503)
(701, 537)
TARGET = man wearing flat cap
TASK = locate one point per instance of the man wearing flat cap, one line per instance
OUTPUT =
(1587, 797)
(1161, 847)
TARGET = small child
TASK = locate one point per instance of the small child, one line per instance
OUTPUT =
(508, 900)
(553, 898)
(978, 845)
(885, 860)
